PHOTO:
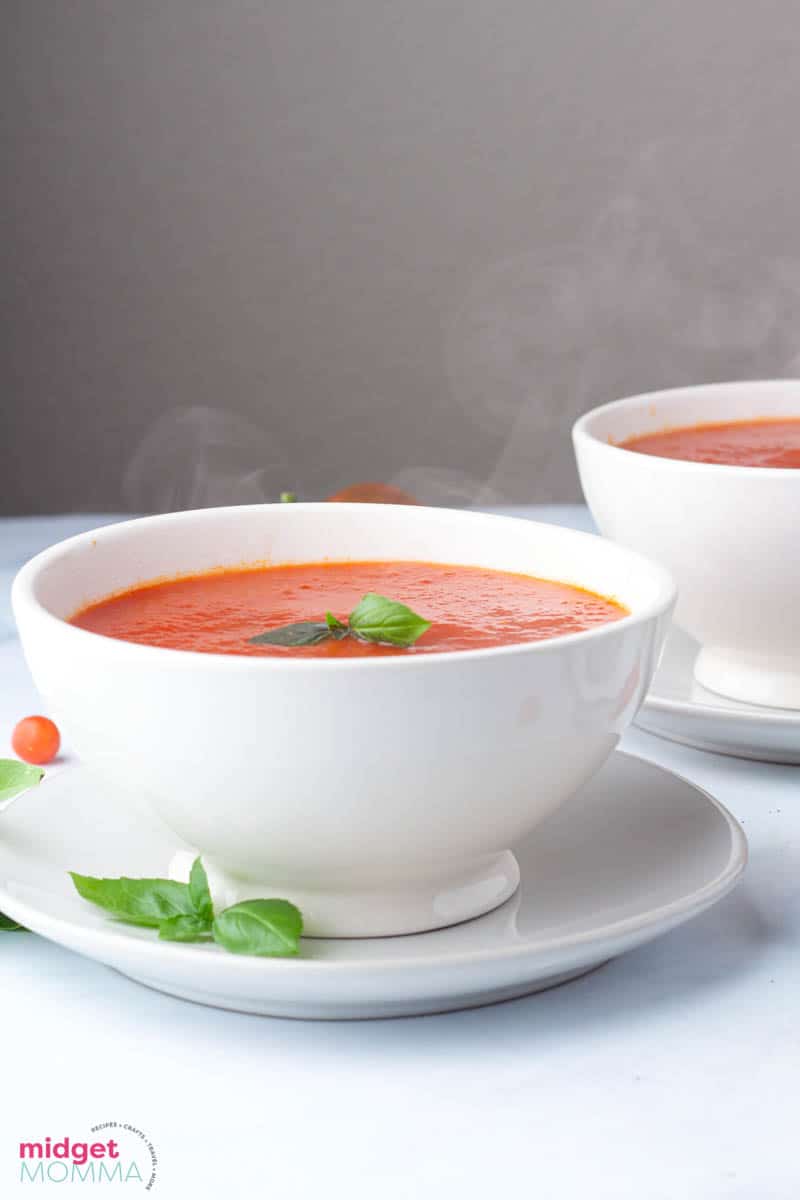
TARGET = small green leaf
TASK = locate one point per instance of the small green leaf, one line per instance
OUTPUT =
(337, 628)
(16, 777)
(300, 633)
(199, 892)
(8, 925)
(184, 929)
(288, 497)
(264, 927)
(137, 901)
(377, 619)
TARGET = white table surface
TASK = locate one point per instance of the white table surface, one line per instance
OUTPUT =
(670, 1074)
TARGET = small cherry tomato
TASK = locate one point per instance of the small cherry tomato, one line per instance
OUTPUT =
(373, 493)
(36, 740)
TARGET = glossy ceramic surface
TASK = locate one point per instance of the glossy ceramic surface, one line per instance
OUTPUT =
(728, 534)
(381, 795)
(635, 853)
(679, 708)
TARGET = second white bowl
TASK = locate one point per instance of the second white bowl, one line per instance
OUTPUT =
(729, 534)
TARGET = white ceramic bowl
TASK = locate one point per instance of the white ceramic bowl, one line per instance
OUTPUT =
(728, 534)
(381, 795)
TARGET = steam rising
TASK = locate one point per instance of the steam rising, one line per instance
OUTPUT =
(198, 457)
(647, 297)
(446, 487)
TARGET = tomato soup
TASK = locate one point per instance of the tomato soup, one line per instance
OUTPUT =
(770, 442)
(469, 608)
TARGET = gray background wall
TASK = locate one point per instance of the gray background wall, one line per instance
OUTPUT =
(254, 245)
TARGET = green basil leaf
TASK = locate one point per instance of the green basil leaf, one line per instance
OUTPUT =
(16, 777)
(301, 633)
(266, 927)
(199, 892)
(376, 619)
(184, 929)
(337, 628)
(288, 497)
(10, 926)
(137, 901)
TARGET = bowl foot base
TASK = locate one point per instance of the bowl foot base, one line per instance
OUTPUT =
(372, 910)
(750, 679)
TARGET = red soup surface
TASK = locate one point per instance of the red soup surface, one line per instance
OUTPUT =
(469, 608)
(769, 442)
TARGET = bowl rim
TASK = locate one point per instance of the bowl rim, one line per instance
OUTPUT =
(22, 595)
(581, 429)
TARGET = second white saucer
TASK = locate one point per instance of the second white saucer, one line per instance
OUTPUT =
(678, 708)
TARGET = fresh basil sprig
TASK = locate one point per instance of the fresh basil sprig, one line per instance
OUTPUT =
(374, 619)
(300, 633)
(15, 777)
(267, 927)
(200, 893)
(184, 929)
(9, 926)
(184, 912)
(137, 901)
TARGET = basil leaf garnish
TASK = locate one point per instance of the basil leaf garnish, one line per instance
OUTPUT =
(301, 633)
(265, 927)
(374, 619)
(184, 929)
(377, 619)
(199, 892)
(183, 912)
(10, 926)
(335, 626)
(16, 777)
(138, 901)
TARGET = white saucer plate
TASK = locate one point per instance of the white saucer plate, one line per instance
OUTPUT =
(635, 853)
(678, 708)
